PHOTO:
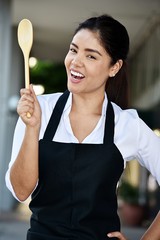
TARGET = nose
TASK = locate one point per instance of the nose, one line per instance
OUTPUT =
(77, 61)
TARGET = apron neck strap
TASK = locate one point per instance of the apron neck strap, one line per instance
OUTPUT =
(56, 116)
(109, 125)
(57, 113)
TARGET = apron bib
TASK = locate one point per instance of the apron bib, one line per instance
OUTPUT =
(76, 194)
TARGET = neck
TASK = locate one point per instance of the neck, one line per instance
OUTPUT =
(87, 104)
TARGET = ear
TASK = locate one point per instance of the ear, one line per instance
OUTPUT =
(115, 68)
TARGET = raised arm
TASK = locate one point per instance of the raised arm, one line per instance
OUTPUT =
(24, 171)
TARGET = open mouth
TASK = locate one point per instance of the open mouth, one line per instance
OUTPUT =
(77, 75)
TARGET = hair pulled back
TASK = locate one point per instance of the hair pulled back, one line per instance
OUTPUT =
(114, 38)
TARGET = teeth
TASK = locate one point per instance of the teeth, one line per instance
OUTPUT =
(76, 74)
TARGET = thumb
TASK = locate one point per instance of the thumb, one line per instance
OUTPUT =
(33, 92)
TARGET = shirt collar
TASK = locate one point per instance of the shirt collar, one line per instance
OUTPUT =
(68, 105)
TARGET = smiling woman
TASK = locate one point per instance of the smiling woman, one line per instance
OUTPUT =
(69, 156)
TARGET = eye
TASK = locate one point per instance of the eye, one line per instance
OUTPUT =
(91, 57)
(73, 50)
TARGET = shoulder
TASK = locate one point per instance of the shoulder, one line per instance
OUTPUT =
(127, 126)
(49, 97)
(48, 100)
(126, 116)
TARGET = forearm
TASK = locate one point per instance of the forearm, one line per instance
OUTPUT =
(153, 231)
(24, 172)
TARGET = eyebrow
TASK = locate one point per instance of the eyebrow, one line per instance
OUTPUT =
(88, 49)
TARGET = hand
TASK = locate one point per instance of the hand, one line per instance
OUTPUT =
(119, 235)
(28, 103)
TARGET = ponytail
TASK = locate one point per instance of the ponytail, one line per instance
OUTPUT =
(117, 88)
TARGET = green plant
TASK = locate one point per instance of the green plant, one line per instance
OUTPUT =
(51, 75)
(128, 193)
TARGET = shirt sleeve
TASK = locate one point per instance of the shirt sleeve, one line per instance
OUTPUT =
(148, 153)
(47, 103)
(135, 140)
(17, 142)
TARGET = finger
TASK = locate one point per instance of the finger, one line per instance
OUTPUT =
(26, 117)
(25, 110)
(26, 94)
(116, 234)
(24, 106)
(33, 92)
(25, 91)
(25, 102)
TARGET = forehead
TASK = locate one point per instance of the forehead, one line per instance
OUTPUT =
(88, 38)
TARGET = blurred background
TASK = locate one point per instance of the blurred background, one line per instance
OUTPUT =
(54, 22)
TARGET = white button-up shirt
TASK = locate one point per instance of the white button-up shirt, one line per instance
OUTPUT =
(133, 138)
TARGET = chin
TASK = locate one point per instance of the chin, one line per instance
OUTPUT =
(76, 88)
(73, 89)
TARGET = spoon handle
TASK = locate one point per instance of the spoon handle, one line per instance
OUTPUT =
(27, 80)
(26, 63)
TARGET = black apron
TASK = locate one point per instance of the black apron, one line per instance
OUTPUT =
(76, 194)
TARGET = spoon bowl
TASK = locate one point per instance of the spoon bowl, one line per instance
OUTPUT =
(25, 40)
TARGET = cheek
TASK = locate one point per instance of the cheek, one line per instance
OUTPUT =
(66, 61)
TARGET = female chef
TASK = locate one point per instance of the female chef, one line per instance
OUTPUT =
(71, 152)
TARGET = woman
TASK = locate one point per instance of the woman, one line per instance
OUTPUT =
(71, 152)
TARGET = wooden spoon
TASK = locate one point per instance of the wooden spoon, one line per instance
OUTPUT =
(25, 40)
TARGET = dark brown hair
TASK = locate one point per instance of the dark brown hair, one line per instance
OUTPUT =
(114, 38)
